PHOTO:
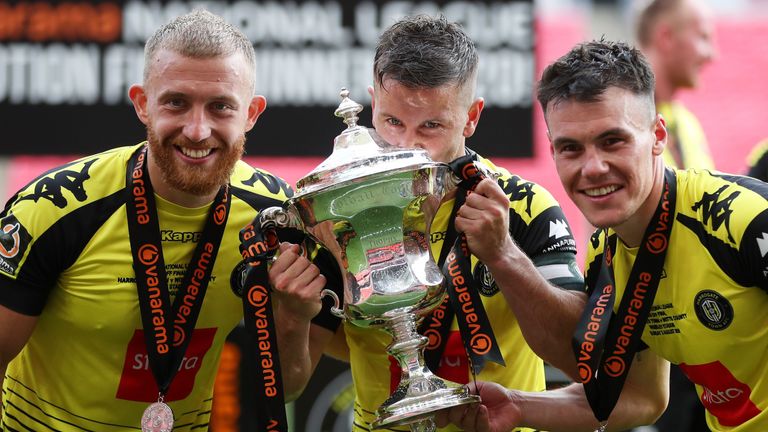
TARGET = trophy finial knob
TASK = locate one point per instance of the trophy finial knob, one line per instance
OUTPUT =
(348, 109)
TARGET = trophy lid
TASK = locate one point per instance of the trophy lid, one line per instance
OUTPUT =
(359, 152)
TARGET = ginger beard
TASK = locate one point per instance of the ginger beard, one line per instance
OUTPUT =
(192, 178)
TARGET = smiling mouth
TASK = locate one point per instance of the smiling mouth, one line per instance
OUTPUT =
(601, 191)
(195, 153)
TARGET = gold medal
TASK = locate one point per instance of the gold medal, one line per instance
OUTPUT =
(158, 417)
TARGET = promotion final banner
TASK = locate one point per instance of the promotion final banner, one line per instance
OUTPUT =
(66, 66)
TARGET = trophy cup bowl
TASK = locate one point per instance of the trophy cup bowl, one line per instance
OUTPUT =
(371, 205)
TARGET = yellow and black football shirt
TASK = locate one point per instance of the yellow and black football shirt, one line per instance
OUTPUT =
(66, 258)
(685, 130)
(539, 227)
(709, 315)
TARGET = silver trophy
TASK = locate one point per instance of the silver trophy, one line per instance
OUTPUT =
(371, 205)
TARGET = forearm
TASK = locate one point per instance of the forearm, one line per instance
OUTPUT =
(643, 399)
(564, 410)
(3, 366)
(295, 359)
(547, 314)
(567, 410)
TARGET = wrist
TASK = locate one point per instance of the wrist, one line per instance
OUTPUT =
(509, 257)
(290, 319)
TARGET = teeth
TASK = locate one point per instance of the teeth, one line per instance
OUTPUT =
(195, 153)
(601, 191)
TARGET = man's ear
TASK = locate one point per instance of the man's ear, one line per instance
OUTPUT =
(473, 117)
(373, 97)
(139, 98)
(255, 108)
(661, 134)
(664, 37)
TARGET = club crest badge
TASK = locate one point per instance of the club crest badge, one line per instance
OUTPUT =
(14, 239)
(713, 310)
(486, 284)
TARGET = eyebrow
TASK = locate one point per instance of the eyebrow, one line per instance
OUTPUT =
(612, 131)
(176, 94)
(560, 141)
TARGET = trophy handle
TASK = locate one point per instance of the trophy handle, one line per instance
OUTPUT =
(335, 310)
(277, 217)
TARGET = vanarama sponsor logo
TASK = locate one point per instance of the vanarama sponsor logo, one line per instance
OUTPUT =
(193, 291)
(139, 191)
(657, 242)
(629, 324)
(253, 248)
(593, 327)
(476, 332)
(614, 366)
(434, 324)
(148, 256)
(258, 298)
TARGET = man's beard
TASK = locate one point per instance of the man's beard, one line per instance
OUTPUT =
(191, 178)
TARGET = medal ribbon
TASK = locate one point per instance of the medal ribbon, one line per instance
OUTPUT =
(168, 328)
(605, 343)
(463, 294)
(258, 244)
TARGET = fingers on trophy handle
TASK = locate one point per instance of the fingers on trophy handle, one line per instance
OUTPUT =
(336, 308)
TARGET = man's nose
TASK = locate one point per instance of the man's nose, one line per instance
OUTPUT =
(594, 164)
(197, 127)
(407, 139)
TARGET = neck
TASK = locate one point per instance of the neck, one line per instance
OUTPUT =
(664, 91)
(176, 196)
(631, 232)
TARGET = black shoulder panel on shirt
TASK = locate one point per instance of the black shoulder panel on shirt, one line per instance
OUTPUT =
(757, 186)
(258, 202)
(56, 250)
(753, 251)
(548, 232)
(726, 256)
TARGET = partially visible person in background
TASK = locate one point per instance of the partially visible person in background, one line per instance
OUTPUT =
(676, 37)
(757, 161)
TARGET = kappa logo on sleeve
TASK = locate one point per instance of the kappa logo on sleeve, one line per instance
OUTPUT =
(14, 239)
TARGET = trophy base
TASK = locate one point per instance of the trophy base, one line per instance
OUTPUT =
(403, 410)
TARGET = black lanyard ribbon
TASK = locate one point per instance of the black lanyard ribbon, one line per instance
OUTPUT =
(259, 242)
(168, 328)
(605, 343)
(463, 295)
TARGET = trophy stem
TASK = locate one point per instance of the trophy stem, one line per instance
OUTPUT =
(420, 392)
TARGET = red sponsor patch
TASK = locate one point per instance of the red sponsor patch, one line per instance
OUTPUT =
(137, 382)
(724, 396)
(454, 364)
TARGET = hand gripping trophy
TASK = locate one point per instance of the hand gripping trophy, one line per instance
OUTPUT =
(371, 205)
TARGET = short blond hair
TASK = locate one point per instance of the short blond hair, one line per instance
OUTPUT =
(200, 34)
